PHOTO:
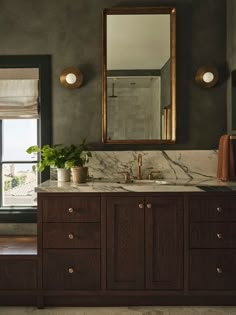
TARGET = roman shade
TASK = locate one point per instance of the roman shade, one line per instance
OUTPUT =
(18, 94)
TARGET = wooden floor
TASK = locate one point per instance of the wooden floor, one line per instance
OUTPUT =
(191, 310)
(18, 245)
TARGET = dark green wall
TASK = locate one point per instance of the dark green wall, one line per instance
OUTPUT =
(71, 31)
(231, 59)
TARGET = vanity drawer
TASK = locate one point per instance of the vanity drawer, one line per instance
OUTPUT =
(72, 269)
(213, 235)
(209, 208)
(71, 235)
(212, 269)
(71, 209)
(18, 274)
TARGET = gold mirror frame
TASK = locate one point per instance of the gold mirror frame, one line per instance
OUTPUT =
(141, 10)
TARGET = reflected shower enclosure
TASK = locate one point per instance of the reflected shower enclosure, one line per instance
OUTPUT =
(142, 97)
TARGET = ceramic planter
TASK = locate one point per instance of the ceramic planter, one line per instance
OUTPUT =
(63, 175)
(79, 174)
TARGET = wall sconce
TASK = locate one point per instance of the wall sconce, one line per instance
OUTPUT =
(71, 78)
(207, 76)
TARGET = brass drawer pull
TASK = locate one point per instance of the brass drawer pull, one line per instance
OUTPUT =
(219, 270)
(140, 206)
(71, 270)
(219, 209)
(71, 236)
(71, 210)
(219, 236)
(149, 205)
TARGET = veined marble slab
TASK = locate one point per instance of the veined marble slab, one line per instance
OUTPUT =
(194, 164)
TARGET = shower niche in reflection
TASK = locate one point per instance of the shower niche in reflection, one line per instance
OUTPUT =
(142, 97)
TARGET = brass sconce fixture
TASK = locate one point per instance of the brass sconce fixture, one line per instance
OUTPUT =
(207, 76)
(71, 78)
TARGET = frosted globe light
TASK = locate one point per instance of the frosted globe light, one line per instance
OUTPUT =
(208, 77)
(70, 78)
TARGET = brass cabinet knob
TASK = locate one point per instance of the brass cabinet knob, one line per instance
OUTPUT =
(71, 236)
(219, 236)
(71, 270)
(219, 270)
(71, 210)
(149, 205)
(140, 206)
(219, 209)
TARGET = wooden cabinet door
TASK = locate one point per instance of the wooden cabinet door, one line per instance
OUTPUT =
(212, 269)
(164, 242)
(71, 269)
(125, 243)
(18, 274)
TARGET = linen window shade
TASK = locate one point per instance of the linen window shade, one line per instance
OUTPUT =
(19, 93)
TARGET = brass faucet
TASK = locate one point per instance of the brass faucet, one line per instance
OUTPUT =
(126, 176)
(139, 166)
(158, 176)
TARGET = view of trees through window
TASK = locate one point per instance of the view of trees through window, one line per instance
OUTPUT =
(19, 171)
(19, 184)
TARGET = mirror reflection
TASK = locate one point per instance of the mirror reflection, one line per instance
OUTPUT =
(139, 75)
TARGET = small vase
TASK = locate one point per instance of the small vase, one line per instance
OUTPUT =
(79, 174)
(63, 175)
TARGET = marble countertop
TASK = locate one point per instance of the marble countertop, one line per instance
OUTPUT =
(165, 185)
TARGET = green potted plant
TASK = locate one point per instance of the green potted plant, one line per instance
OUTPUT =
(78, 157)
(54, 156)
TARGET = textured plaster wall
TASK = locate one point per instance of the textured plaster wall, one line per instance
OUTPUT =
(71, 32)
(231, 59)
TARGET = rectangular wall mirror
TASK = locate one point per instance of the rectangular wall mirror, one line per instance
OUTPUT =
(139, 75)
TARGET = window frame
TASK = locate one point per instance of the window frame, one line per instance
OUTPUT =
(43, 63)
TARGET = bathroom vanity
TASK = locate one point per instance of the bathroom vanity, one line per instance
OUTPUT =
(103, 244)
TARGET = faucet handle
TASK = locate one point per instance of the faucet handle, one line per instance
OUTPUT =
(126, 176)
(140, 159)
(150, 176)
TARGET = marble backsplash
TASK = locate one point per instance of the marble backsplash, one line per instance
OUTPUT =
(195, 164)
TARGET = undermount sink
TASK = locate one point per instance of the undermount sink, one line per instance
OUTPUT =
(158, 188)
(147, 182)
(151, 182)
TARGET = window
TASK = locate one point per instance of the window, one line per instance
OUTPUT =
(25, 120)
(19, 171)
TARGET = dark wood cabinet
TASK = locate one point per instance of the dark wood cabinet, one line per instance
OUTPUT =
(124, 248)
(60, 208)
(213, 269)
(145, 242)
(18, 274)
(212, 207)
(72, 269)
(125, 242)
(71, 235)
(212, 242)
(71, 242)
(164, 242)
(213, 235)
